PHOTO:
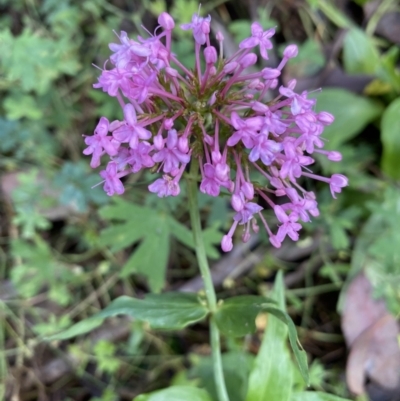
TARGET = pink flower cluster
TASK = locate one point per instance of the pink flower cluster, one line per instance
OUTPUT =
(219, 115)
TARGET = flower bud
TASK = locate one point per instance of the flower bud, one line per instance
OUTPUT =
(183, 144)
(291, 51)
(168, 123)
(274, 84)
(166, 21)
(248, 60)
(237, 203)
(158, 142)
(222, 171)
(213, 98)
(248, 190)
(339, 180)
(210, 55)
(226, 243)
(130, 114)
(230, 67)
(270, 73)
(334, 156)
(219, 36)
(325, 118)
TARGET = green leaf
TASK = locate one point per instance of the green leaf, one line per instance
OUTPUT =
(236, 380)
(176, 393)
(82, 327)
(360, 55)
(271, 377)
(352, 113)
(390, 137)
(236, 316)
(315, 396)
(19, 105)
(171, 310)
(299, 353)
(151, 229)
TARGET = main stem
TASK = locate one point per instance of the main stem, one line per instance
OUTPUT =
(192, 190)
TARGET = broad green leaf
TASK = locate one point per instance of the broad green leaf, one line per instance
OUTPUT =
(360, 55)
(390, 137)
(315, 396)
(176, 393)
(352, 113)
(271, 377)
(151, 229)
(236, 316)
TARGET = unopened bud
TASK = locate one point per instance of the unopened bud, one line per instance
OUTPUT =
(334, 156)
(168, 123)
(270, 73)
(183, 144)
(158, 142)
(325, 118)
(166, 21)
(230, 67)
(226, 243)
(248, 60)
(291, 51)
(210, 55)
(219, 36)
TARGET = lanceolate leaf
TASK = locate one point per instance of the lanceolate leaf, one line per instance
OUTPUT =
(174, 310)
(176, 393)
(390, 136)
(151, 230)
(299, 353)
(271, 377)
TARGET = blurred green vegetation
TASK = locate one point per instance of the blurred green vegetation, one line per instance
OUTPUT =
(68, 250)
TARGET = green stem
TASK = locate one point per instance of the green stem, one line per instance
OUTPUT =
(192, 190)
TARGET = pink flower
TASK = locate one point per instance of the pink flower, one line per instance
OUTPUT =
(210, 184)
(165, 186)
(288, 227)
(246, 214)
(200, 26)
(131, 132)
(171, 156)
(100, 143)
(246, 130)
(258, 37)
(215, 111)
(337, 182)
(127, 51)
(112, 80)
(113, 184)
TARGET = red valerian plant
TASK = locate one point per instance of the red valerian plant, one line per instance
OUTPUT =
(218, 115)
